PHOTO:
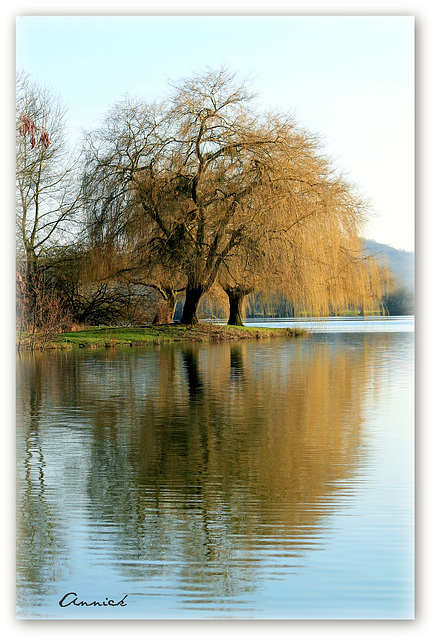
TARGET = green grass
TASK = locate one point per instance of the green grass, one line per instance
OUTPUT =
(104, 337)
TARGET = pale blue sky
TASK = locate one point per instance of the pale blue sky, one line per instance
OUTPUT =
(350, 79)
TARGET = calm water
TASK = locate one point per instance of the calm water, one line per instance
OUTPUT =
(269, 479)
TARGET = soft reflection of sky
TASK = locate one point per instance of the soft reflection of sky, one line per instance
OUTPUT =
(374, 521)
(399, 324)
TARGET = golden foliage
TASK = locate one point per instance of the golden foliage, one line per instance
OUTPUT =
(212, 189)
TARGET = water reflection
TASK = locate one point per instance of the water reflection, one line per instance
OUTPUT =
(192, 471)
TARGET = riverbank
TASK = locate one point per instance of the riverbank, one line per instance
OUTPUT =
(105, 337)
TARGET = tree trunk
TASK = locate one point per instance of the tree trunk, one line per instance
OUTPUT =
(31, 281)
(236, 297)
(193, 297)
(166, 307)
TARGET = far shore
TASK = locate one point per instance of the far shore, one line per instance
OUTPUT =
(106, 337)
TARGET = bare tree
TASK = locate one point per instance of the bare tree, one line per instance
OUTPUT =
(46, 199)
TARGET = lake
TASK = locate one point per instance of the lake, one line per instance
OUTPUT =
(269, 479)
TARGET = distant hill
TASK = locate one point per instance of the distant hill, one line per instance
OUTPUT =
(400, 263)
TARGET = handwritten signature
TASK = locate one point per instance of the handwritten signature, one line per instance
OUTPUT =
(72, 598)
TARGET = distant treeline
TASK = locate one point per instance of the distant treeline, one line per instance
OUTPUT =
(400, 263)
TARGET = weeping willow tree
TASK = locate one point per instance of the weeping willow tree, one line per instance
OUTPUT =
(204, 188)
(269, 210)
(306, 242)
(318, 263)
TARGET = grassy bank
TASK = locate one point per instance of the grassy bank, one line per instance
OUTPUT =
(100, 337)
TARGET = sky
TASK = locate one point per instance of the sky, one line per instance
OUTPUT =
(349, 79)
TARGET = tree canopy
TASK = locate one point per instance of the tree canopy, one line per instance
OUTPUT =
(208, 189)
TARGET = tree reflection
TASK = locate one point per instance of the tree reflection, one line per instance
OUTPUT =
(219, 470)
(208, 459)
(38, 539)
(194, 380)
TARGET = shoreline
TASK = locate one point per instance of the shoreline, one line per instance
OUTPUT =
(106, 337)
